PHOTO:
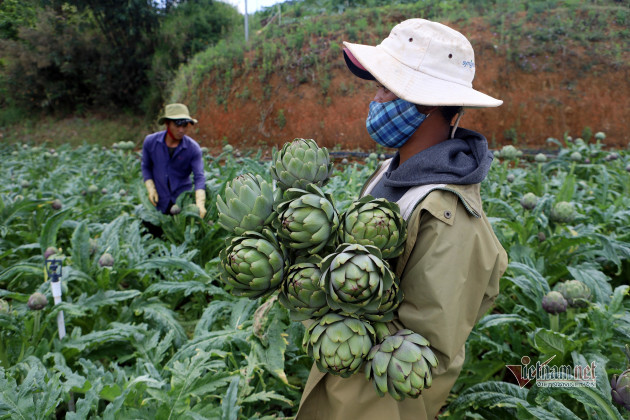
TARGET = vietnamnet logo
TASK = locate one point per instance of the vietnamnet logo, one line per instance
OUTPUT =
(563, 376)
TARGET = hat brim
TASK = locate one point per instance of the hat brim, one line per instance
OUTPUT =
(413, 85)
(162, 120)
(355, 67)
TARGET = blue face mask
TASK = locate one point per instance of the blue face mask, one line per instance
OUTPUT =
(391, 123)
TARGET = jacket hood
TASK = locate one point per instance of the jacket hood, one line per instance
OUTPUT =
(462, 160)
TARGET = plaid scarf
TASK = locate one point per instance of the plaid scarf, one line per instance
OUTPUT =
(391, 123)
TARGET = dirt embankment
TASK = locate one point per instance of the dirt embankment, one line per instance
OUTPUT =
(544, 96)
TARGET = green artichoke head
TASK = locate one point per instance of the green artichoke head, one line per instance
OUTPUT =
(299, 163)
(620, 389)
(563, 212)
(307, 220)
(376, 222)
(529, 201)
(50, 251)
(246, 205)
(357, 280)
(300, 292)
(339, 344)
(253, 264)
(575, 292)
(540, 158)
(510, 152)
(175, 210)
(600, 135)
(401, 365)
(37, 301)
(575, 156)
(611, 156)
(106, 260)
(389, 302)
(554, 303)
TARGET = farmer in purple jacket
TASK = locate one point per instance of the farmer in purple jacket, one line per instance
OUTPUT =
(168, 159)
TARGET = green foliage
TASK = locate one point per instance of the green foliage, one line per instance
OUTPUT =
(15, 14)
(187, 29)
(156, 335)
(51, 65)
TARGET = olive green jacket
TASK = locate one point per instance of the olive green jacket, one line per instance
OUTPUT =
(449, 271)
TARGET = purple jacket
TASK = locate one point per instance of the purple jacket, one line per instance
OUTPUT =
(171, 175)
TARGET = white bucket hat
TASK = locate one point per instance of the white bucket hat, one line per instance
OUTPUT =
(422, 62)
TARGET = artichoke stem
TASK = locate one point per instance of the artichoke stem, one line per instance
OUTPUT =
(554, 321)
(381, 331)
(36, 320)
(103, 280)
(4, 361)
(570, 314)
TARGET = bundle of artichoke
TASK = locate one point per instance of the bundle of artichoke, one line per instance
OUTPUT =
(327, 267)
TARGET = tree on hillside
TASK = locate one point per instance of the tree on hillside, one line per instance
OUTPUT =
(15, 14)
(72, 54)
(189, 28)
(130, 28)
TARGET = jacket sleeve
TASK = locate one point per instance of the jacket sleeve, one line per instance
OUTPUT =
(197, 170)
(450, 278)
(147, 162)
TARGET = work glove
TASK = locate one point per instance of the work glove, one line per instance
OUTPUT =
(152, 192)
(200, 200)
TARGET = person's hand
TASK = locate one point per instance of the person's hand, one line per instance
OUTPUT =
(200, 200)
(152, 192)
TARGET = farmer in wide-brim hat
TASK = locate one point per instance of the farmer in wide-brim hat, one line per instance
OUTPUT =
(169, 157)
(450, 268)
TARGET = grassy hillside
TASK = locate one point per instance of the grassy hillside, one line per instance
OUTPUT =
(560, 67)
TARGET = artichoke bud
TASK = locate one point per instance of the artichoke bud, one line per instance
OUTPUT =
(37, 301)
(390, 301)
(529, 201)
(620, 389)
(106, 260)
(401, 365)
(4, 306)
(299, 163)
(540, 158)
(377, 222)
(563, 212)
(575, 292)
(554, 303)
(339, 344)
(306, 220)
(356, 280)
(246, 205)
(253, 264)
(300, 292)
(50, 251)
(510, 152)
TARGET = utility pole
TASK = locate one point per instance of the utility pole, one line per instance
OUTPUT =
(246, 24)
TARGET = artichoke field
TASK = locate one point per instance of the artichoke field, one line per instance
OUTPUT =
(155, 331)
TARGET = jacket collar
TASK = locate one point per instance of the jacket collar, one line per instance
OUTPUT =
(470, 194)
(183, 144)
